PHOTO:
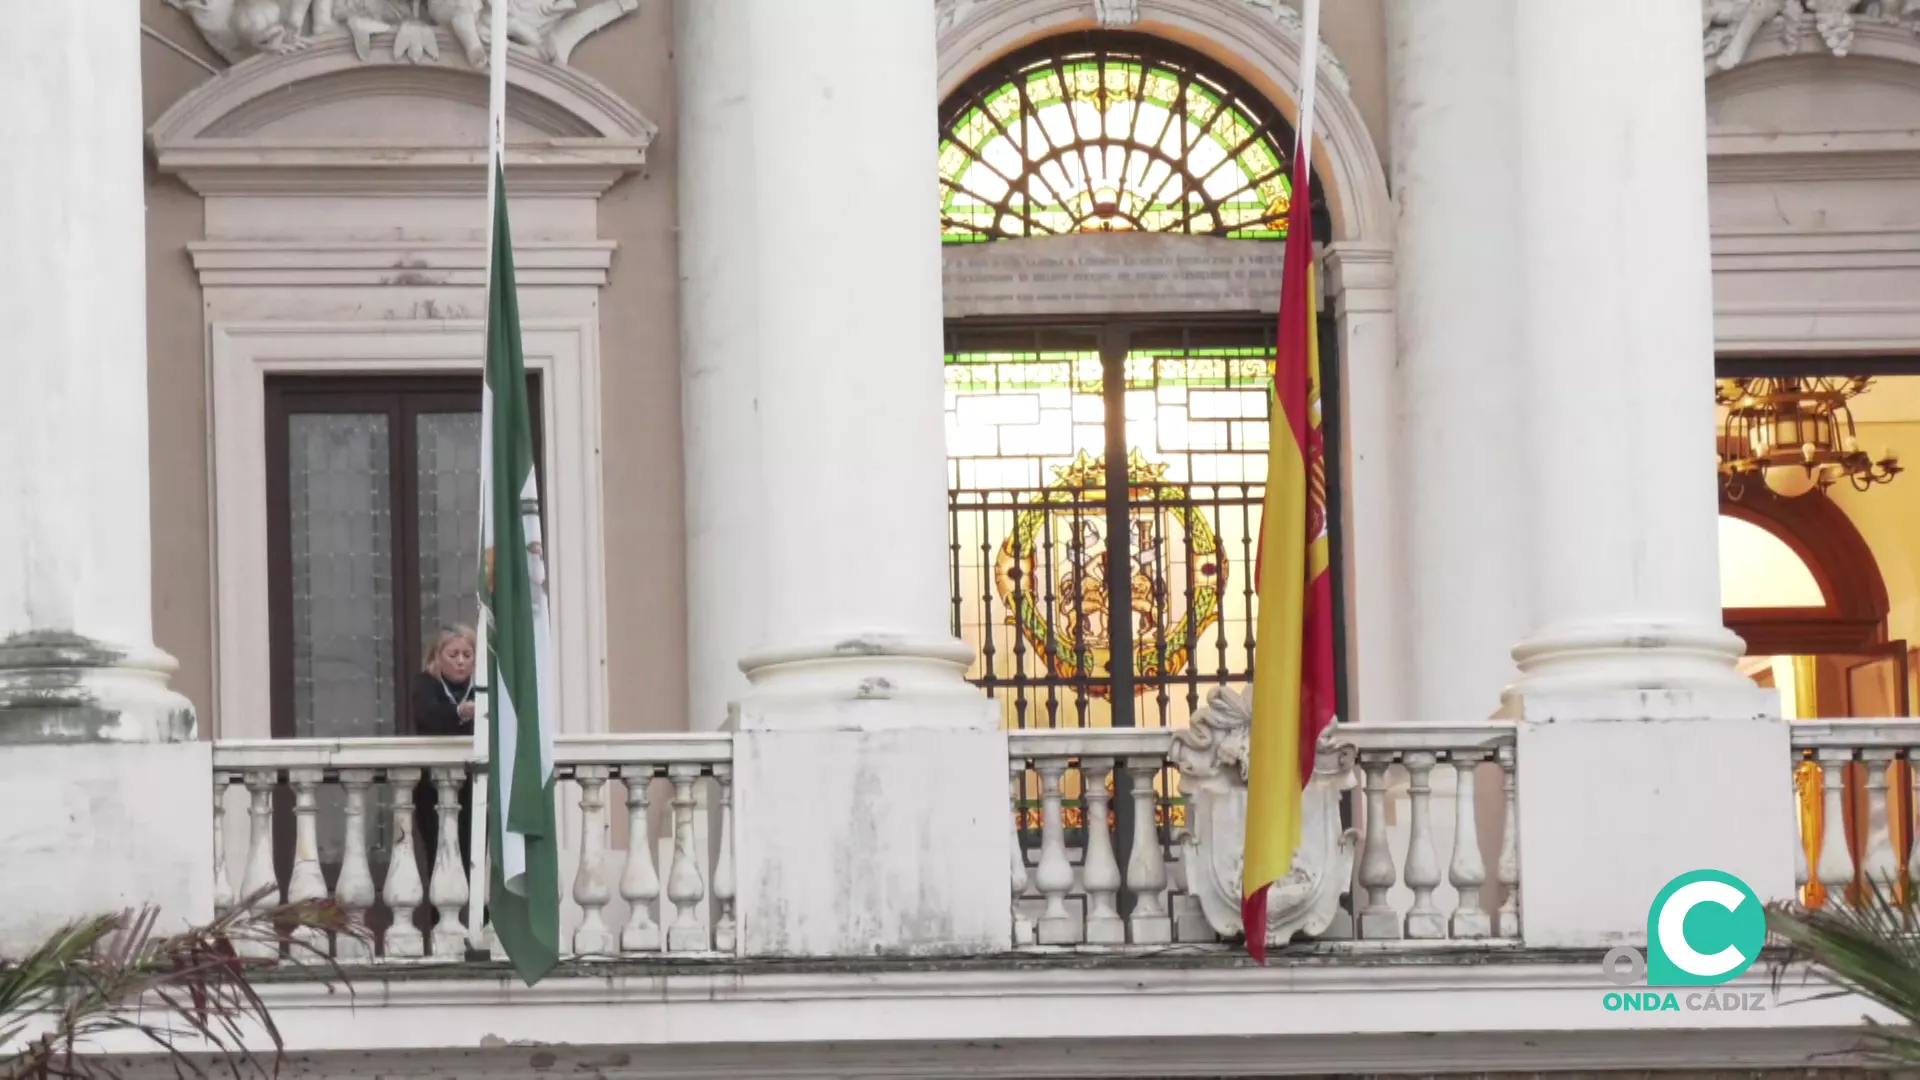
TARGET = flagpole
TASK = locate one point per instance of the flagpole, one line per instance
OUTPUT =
(479, 874)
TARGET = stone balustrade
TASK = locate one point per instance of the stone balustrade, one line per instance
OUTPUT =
(1854, 787)
(1121, 838)
(313, 819)
(1132, 837)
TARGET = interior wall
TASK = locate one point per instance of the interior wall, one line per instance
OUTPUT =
(640, 396)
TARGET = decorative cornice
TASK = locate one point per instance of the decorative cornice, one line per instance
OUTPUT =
(1736, 31)
(419, 264)
(240, 133)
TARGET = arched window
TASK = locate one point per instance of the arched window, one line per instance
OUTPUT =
(1111, 132)
(1107, 466)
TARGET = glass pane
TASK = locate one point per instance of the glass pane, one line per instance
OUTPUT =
(341, 528)
(1124, 136)
(447, 480)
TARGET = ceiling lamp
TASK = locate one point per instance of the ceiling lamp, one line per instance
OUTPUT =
(1794, 435)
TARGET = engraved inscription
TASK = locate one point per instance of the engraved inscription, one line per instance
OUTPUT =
(1111, 274)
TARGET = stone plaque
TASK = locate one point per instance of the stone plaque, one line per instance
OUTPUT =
(1112, 273)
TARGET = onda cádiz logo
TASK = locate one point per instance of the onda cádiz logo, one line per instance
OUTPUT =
(1706, 927)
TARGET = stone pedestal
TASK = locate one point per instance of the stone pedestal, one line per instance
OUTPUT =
(92, 829)
(1620, 793)
(868, 827)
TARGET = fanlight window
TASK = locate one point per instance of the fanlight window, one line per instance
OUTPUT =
(1110, 133)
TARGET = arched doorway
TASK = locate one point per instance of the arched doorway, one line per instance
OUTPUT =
(1107, 411)
(1801, 587)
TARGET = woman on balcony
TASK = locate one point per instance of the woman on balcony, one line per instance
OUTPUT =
(443, 706)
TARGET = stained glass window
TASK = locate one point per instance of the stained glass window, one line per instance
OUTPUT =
(1111, 132)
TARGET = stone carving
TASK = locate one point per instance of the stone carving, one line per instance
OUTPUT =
(1116, 12)
(238, 29)
(1211, 754)
(1728, 27)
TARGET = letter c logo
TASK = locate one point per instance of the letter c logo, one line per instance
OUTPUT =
(1729, 926)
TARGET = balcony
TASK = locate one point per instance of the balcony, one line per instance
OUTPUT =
(1399, 942)
(1121, 842)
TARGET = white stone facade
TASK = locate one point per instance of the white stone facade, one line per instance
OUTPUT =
(1546, 221)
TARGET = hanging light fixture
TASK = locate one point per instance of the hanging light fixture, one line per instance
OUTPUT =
(1795, 435)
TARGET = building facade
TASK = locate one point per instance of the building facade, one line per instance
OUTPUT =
(871, 772)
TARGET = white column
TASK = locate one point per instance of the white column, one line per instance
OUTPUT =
(849, 304)
(719, 354)
(1462, 500)
(1632, 717)
(859, 737)
(1618, 336)
(78, 668)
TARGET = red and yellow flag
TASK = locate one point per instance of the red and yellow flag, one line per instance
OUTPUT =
(1293, 661)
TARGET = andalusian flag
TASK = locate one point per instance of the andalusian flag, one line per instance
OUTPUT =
(523, 887)
(1293, 662)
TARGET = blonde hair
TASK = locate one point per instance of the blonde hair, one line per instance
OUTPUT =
(454, 632)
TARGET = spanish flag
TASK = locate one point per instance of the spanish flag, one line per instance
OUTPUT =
(1293, 659)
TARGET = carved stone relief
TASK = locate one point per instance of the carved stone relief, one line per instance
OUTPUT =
(1729, 28)
(1211, 754)
(238, 29)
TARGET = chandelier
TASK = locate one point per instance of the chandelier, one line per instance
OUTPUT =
(1794, 435)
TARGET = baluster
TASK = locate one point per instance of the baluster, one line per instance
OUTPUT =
(590, 876)
(306, 884)
(222, 887)
(1836, 862)
(724, 927)
(402, 891)
(1101, 873)
(1147, 865)
(1468, 871)
(1802, 873)
(1023, 929)
(260, 889)
(1423, 866)
(1507, 922)
(1055, 873)
(639, 884)
(686, 885)
(1378, 920)
(448, 884)
(354, 888)
(1880, 866)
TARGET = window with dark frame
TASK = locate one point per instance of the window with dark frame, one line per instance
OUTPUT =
(373, 501)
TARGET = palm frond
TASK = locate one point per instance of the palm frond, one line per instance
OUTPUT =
(1871, 948)
(187, 993)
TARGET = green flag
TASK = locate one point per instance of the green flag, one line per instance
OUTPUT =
(523, 887)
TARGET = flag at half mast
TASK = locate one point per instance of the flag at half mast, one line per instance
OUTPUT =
(1293, 658)
(523, 880)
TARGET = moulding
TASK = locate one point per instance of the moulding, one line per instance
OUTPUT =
(1354, 1013)
(413, 264)
(240, 133)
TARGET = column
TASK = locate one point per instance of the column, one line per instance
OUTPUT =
(1462, 495)
(1463, 507)
(859, 737)
(93, 744)
(719, 354)
(1643, 754)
